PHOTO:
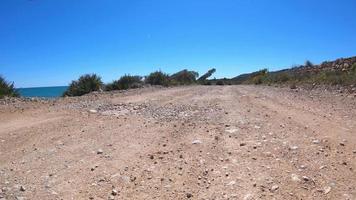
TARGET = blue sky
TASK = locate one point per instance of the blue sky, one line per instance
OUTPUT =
(51, 42)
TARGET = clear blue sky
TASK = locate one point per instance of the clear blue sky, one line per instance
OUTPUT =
(51, 42)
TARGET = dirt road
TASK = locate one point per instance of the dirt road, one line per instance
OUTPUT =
(201, 142)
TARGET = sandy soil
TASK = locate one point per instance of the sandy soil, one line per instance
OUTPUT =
(201, 142)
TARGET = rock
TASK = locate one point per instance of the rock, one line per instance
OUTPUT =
(93, 111)
(188, 195)
(111, 197)
(231, 183)
(305, 178)
(327, 189)
(295, 178)
(274, 188)
(22, 188)
(231, 130)
(316, 141)
(114, 192)
(100, 151)
(20, 198)
(197, 142)
(302, 167)
(293, 148)
(248, 197)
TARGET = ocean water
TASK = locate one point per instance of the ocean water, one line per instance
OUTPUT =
(46, 92)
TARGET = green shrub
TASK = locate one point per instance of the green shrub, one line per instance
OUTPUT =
(7, 89)
(183, 77)
(220, 82)
(85, 84)
(207, 75)
(308, 64)
(158, 78)
(125, 82)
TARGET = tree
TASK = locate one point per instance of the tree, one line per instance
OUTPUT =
(158, 78)
(207, 74)
(85, 84)
(308, 64)
(7, 88)
(125, 82)
(184, 77)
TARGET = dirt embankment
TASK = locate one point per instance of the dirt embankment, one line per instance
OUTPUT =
(228, 142)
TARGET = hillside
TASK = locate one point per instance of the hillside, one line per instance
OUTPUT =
(340, 72)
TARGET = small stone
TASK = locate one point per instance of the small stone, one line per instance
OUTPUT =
(111, 197)
(22, 188)
(197, 142)
(316, 141)
(114, 192)
(327, 189)
(93, 111)
(295, 178)
(231, 183)
(189, 195)
(100, 151)
(274, 188)
(293, 147)
(305, 178)
(242, 144)
(322, 167)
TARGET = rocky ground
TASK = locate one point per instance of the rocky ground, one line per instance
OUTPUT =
(199, 142)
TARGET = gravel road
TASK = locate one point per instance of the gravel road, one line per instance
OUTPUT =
(197, 142)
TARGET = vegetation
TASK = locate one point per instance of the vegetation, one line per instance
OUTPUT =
(7, 88)
(205, 76)
(157, 78)
(125, 82)
(220, 82)
(183, 77)
(293, 78)
(85, 84)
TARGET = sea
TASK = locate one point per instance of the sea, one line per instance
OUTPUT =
(44, 92)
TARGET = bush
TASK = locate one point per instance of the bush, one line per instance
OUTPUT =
(184, 77)
(207, 75)
(85, 84)
(158, 78)
(309, 64)
(220, 82)
(125, 82)
(7, 89)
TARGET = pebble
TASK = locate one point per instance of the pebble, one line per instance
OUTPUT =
(295, 178)
(327, 189)
(189, 195)
(316, 141)
(197, 142)
(293, 147)
(114, 192)
(274, 188)
(305, 178)
(93, 111)
(231, 183)
(22, 188)
(100, 151)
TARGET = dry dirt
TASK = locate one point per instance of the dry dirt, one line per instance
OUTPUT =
(200, 142)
